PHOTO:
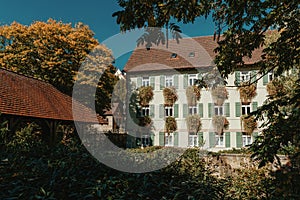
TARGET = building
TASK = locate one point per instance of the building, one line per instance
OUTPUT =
(26, 99)
(179, 66)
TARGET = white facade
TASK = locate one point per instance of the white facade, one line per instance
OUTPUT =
(232, 108)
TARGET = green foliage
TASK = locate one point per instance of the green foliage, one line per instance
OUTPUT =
(170, 124)
(3, 132)
(220, 123)
(249, 124)
(145, 94)
(193, 123)
(26, 139)
(247, 91)
(170, 95)
(193, 94)
(219, 94)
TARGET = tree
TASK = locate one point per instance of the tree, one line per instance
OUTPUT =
(53, 51)
(50, 51)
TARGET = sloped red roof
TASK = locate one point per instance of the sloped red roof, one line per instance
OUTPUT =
(159, 57)
(25, 96)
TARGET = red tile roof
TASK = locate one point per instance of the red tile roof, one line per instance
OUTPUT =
(25, 96)
(159, 57)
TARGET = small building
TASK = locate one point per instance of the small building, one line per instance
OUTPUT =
(24, 98)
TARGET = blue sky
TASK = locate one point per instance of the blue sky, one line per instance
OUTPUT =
(97, 14)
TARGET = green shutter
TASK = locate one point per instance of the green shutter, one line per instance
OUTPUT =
(200, 139)
(185, 81)
(253, 76)
(162, 82)
(239, 140)
(176, 138)
(200, 109)
(161, 139)
(227, 139)
(265, 79)
(139, 82)
(185, 110)
(237, 109)
(175, 78)
(212, 139)
(152, 136)
(227, 109)
(152, 111)
(237, 78)
(161, 111)
(152, 82)
(176, 111)
(254, 135)
(210, 107)
(254, 106)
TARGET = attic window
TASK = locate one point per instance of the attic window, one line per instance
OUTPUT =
(192, 54)
(174, 55)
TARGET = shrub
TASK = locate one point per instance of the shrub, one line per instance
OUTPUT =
(247, 92)
(170, 96)
(170, 124)
(219, 94)
(145, 95)
(193, 94)
(220, 123)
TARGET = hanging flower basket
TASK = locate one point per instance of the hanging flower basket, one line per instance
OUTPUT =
(275, 88)
(220, 123)
(219, 94)
(193, 123)
(170, 96)
(145, 95)
(193, 94)
(170, 125)
(145, 121)
(249, 124)
(247, 92)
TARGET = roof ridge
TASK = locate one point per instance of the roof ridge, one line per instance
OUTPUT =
(24, 75)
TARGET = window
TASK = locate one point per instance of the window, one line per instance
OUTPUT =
(245, 76)
(145, 111)
(192, 79)
(192, 54)
(220, 140)
(173, 55)
(219, 110)
(193, 110)
(246, 108)
(169, 111)
(270, 76)
(169, 81)
(193, 140)
(169, 139)
(146, 140)
(145, 81)
(247, 140)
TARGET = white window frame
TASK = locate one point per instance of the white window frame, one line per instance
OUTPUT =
(245, 76)
(219, 110)
(169, 139)
(145, 111)
(246, 108)
(169, 81)
(270, 76)
(193, 140)
(169, 111)
(146, 81)
(247, 140)
(193, 110)
(145, 140)
(220, 140)
(192, 78)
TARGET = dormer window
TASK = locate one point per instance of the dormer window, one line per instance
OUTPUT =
(174, 55)
(192, 54)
